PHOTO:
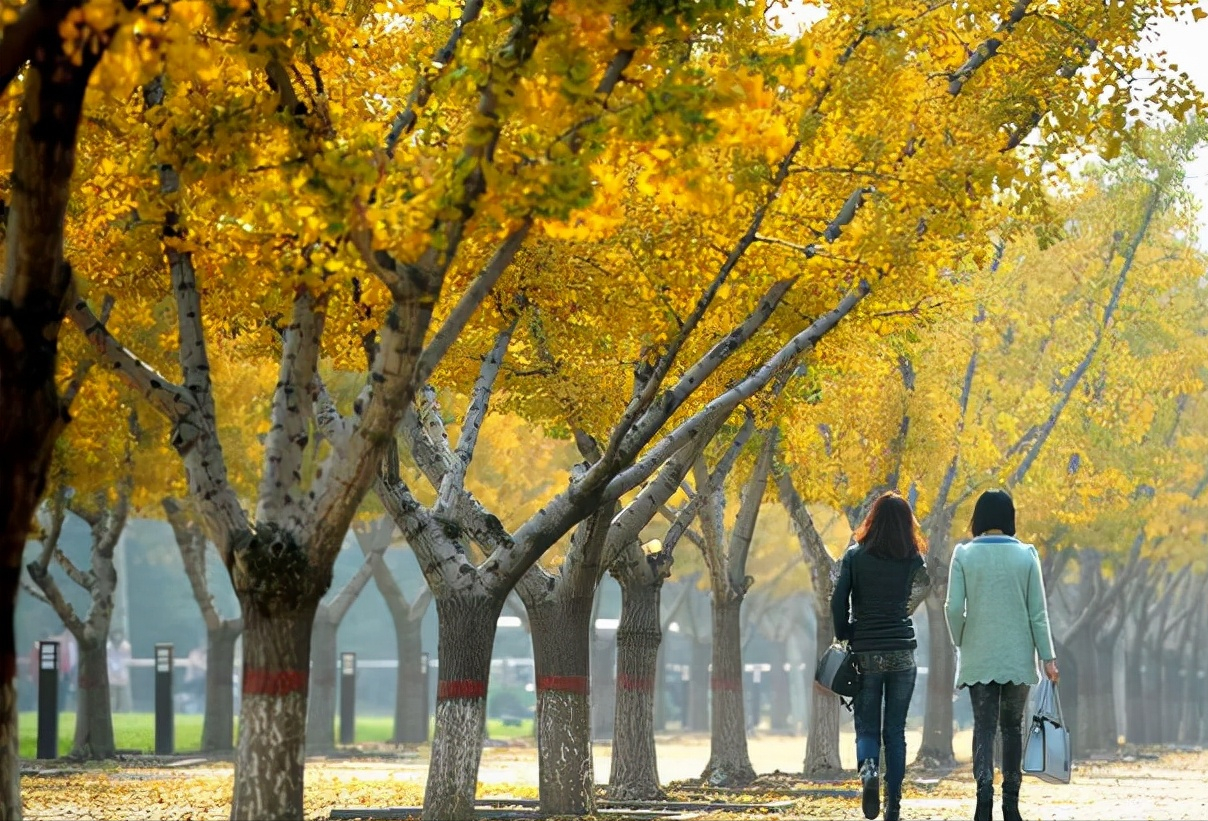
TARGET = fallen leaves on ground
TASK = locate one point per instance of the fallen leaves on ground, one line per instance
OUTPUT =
(1169, 787)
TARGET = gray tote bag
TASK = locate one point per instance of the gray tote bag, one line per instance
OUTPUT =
(1046, 753)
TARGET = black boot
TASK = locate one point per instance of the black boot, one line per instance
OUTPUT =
(1010, 802)
(985, 803)
(871, 792)
(893, 804)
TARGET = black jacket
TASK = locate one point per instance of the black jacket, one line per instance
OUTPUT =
(874, 598)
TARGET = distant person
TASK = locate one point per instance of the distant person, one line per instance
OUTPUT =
(999, 622)
(119, 655)
(882, 580)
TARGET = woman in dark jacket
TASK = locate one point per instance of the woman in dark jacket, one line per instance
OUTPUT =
(882, 580)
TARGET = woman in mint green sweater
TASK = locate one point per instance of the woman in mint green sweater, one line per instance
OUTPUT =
(999, 621)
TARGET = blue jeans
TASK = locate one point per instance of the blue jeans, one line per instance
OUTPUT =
(894, 689)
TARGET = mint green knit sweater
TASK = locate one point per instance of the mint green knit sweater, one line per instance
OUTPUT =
(996, 611)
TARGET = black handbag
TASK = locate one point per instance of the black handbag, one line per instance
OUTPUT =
(837, 672)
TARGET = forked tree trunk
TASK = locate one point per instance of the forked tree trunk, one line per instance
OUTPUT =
(94, 721)
(729, 761)
(218, 727)
(936, 748)
(822, 742)
(635, 773)
(561, 630)
(272, 719)
(466, 635)
(321, 704)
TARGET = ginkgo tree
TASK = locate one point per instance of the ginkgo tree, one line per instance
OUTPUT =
(1012, 408)
(478, 156)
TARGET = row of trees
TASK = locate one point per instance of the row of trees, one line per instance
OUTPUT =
(638, 225)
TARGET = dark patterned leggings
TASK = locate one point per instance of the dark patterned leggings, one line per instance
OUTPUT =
(998, 707)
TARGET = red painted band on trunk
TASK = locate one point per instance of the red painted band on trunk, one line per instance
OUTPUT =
(634, 684)
(461, 688)
(727, 685)
(578, 685)
(274, 682)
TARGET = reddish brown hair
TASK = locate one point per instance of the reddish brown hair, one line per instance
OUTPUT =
(890, 530)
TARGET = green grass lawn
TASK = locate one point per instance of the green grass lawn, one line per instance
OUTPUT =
(136, 731)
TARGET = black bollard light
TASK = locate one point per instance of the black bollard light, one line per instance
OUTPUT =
(348, 698)
(48, 700)
(165, 735)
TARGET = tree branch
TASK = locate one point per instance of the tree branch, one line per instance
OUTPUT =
(1071, 381)
(989, 47)
(725, 403)
(192, 545)
(454, 481)
(471, 299)
(406, 119)
(748, 514)
(287, 436)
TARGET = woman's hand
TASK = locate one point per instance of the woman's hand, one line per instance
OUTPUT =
(1050, 670)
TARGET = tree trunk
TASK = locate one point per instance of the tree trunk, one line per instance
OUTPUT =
(822, 741)
(218, 727)
(321, 709)
(10, 769)
(1105, 694)
(411, 691)
(698, 686)
(1172, 690)
(94, 720)
(34, 288)
(272, 719)
(466, 628)
(1082, 707)
(660, 682)
(561, 630)
(729, 761)
(1153, 687)
(603, 660)
(1135, 730)
(635, 772)
(936, 749)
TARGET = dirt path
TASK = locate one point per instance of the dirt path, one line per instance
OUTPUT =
(1170, 787)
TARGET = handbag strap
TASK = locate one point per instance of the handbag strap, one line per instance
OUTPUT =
(1055, 708)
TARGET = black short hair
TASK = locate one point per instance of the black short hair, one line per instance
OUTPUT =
(994, 511)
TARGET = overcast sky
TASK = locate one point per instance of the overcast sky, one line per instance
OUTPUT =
(1185, 44)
